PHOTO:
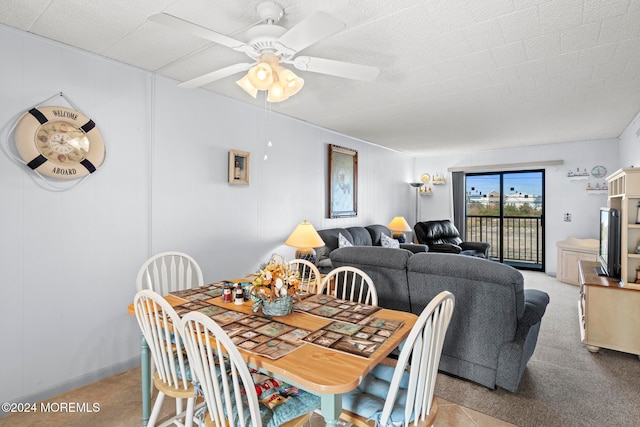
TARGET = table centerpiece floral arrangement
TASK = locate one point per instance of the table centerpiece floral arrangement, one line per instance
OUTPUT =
(274, 287)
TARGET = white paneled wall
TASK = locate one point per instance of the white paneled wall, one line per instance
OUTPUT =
(69, 259)
(231, 229)
(630, 144)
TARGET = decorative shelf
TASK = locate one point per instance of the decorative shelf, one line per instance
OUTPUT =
(578, 178)
(438, 179)
(598, 187)
(578, 174)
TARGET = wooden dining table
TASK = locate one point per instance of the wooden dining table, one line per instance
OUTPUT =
(319, 370)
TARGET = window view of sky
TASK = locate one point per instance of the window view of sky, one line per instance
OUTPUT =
(523, 182)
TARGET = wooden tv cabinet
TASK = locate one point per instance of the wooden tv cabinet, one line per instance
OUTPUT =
(608, 313)
(570, 251)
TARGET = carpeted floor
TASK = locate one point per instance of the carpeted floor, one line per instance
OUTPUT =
(563, 384)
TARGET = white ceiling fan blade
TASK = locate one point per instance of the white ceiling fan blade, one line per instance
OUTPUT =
(310, 30)
(336, 68)
(202, 32)
(215, 75)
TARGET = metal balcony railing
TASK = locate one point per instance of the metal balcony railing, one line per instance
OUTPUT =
(522, 237)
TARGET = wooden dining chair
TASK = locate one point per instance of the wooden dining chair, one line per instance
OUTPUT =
(227, 385)
(403, 395)
(309, 275)
(169, 271)
(160, 324)
(350, 283)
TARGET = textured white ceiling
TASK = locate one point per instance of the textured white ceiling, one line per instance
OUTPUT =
(456, 75)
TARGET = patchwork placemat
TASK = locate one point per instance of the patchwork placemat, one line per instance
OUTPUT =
(330, 307)
(362, 339)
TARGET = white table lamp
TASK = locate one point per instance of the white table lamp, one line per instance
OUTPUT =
(399, 225)
(305, 238)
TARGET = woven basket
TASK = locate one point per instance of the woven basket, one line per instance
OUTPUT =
(278, 307)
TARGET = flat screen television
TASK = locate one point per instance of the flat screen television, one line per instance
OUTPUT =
(609, 247)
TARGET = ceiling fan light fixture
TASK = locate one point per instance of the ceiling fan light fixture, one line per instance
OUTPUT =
(294, 86)
(261, 76)
(291, 82)
(246, 85)
(277, 92)
(268, 75)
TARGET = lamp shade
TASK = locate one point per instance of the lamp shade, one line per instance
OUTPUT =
(246, 85)
(261, 76)
(398, 223)
(276, 92)
(304, 236)
(291, 83)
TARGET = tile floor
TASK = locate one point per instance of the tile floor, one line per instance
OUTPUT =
(119, 400)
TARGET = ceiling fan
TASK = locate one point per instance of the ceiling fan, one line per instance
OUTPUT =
(269, 46)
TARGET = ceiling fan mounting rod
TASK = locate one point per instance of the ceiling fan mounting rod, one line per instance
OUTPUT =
(270, 12)
(270, 58)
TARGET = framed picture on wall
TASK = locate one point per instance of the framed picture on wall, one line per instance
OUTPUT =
(343, 182)
(238, 167)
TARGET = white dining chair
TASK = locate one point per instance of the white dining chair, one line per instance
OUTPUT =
(403, 395)
(169, 271)
(160, 324)
(350, 283)
(309, 275)
(227, 386)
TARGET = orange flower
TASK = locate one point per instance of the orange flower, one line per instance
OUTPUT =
(275, 280)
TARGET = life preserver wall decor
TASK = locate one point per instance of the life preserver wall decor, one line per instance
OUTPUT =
(59, 142)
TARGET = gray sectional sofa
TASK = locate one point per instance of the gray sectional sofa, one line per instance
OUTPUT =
(357, 236)
(495, 324)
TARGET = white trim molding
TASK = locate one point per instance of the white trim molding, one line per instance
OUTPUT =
(503, 166)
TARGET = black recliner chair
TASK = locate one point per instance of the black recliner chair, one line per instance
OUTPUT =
(443, 236)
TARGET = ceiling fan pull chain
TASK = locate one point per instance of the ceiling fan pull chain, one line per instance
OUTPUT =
(267, 119)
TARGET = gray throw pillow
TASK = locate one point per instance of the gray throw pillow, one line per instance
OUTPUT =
(343, 242)
(388, 242)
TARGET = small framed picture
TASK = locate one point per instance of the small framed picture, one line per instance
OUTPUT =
(238, 167)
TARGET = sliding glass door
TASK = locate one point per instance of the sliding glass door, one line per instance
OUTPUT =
(506, 209)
